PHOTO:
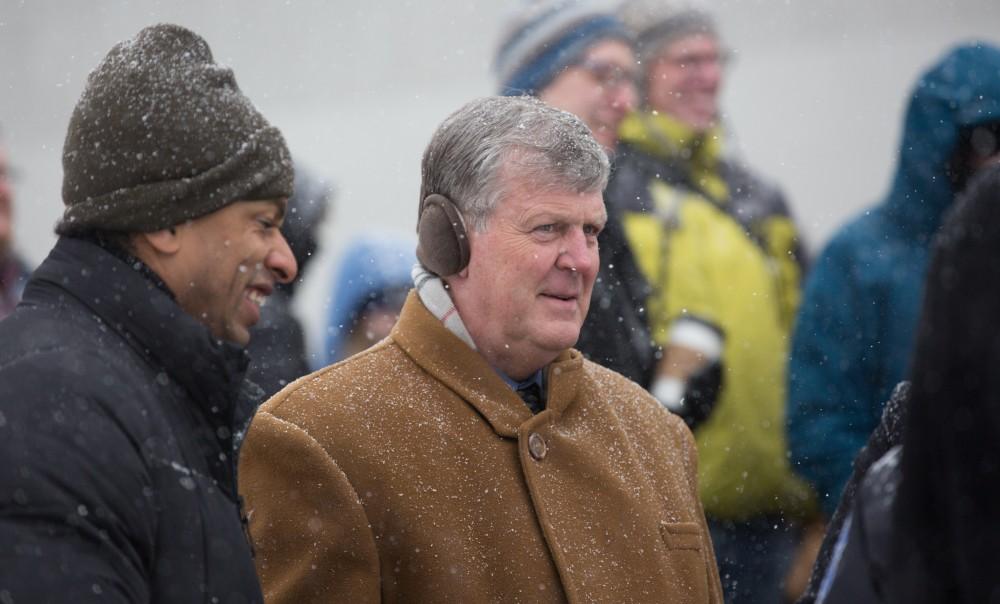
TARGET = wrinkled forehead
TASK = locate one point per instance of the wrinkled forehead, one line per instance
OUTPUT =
(529, 196)
(532, 169)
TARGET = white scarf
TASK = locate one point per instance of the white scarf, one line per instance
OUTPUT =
(434, 295)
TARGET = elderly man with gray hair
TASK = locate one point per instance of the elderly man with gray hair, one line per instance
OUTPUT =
(473, 456)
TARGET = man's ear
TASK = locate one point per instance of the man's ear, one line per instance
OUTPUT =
(165, 241)
(460, 276)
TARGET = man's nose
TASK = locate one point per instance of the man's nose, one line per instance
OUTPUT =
(281, 261)
(578, 253)
(626, 96)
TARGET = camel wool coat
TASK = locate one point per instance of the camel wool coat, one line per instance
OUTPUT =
(411, 472)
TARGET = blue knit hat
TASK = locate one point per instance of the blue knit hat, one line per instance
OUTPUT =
(546, 37)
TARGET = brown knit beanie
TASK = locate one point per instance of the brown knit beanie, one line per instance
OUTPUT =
(162, 134)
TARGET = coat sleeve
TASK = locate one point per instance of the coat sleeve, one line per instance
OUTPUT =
(311, 538)
(848, 579)
(75, 518)
(831, 394)
(860, 565)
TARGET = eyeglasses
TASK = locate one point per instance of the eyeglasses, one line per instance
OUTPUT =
(690, 60)
(607, 74)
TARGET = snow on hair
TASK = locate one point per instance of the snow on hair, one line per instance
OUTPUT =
(480, 151)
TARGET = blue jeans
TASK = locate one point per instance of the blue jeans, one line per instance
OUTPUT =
(753, 557)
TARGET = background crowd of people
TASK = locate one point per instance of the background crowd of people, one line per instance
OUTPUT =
(789, 362)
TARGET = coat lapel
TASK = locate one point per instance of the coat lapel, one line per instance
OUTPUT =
(425, 339)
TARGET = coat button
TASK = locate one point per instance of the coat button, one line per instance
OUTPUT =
(537, 446)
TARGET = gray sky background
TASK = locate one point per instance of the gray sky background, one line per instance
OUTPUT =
(813, 100)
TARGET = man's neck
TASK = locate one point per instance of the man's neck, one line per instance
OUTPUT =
(536, 378)
(516, 364)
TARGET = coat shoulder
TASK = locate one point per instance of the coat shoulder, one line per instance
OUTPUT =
(55, 358)
(339, 389)
(631, 401)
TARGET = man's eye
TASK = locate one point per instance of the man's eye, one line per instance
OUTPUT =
(591, 230)
(266, 223)
(545, 228)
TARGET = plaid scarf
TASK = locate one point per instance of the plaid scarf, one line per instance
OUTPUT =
(434, 294)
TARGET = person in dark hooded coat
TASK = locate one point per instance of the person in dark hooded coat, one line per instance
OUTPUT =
(277, 343)
(854, 332)
(888, 434)
(925, 524)
(121, 370)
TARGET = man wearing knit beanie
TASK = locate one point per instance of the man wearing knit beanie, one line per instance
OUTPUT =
(121, 378)
(722, 255)
(574, 56)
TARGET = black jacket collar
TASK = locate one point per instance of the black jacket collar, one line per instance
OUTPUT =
(145, 314)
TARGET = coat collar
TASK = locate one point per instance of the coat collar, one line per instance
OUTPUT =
(149, 319)
(464, 371)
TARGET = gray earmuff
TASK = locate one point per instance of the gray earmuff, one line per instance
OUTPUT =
(442, 240)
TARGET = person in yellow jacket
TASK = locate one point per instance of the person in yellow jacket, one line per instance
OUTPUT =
(724, 261)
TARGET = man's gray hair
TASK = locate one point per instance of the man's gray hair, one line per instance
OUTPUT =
(479, 151)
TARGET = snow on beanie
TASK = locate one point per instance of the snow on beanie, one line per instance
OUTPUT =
(656, 23)
(547, 36)
(163, 134)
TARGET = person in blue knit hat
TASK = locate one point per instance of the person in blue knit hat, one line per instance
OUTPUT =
(573, 55)
(577, 57)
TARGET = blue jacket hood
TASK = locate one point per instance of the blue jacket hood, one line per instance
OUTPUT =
(371, 263)
(961, 90)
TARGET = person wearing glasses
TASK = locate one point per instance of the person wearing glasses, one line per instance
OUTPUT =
(724, 261)
(572, 55)
(579, 57)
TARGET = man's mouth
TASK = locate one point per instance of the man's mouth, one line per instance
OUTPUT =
(257, 296)
(563, 297)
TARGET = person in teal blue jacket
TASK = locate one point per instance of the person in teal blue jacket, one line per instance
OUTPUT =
(854, 331)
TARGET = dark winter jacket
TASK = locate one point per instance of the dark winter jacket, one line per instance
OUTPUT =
(854, 332)
(117, 415)
(860, 570)
(888, 434)
(946, 514)
(616, 333)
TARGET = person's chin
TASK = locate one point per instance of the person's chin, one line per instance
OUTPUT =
(562, 335)
(704, 116)
(235, 334)
(247, 316)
